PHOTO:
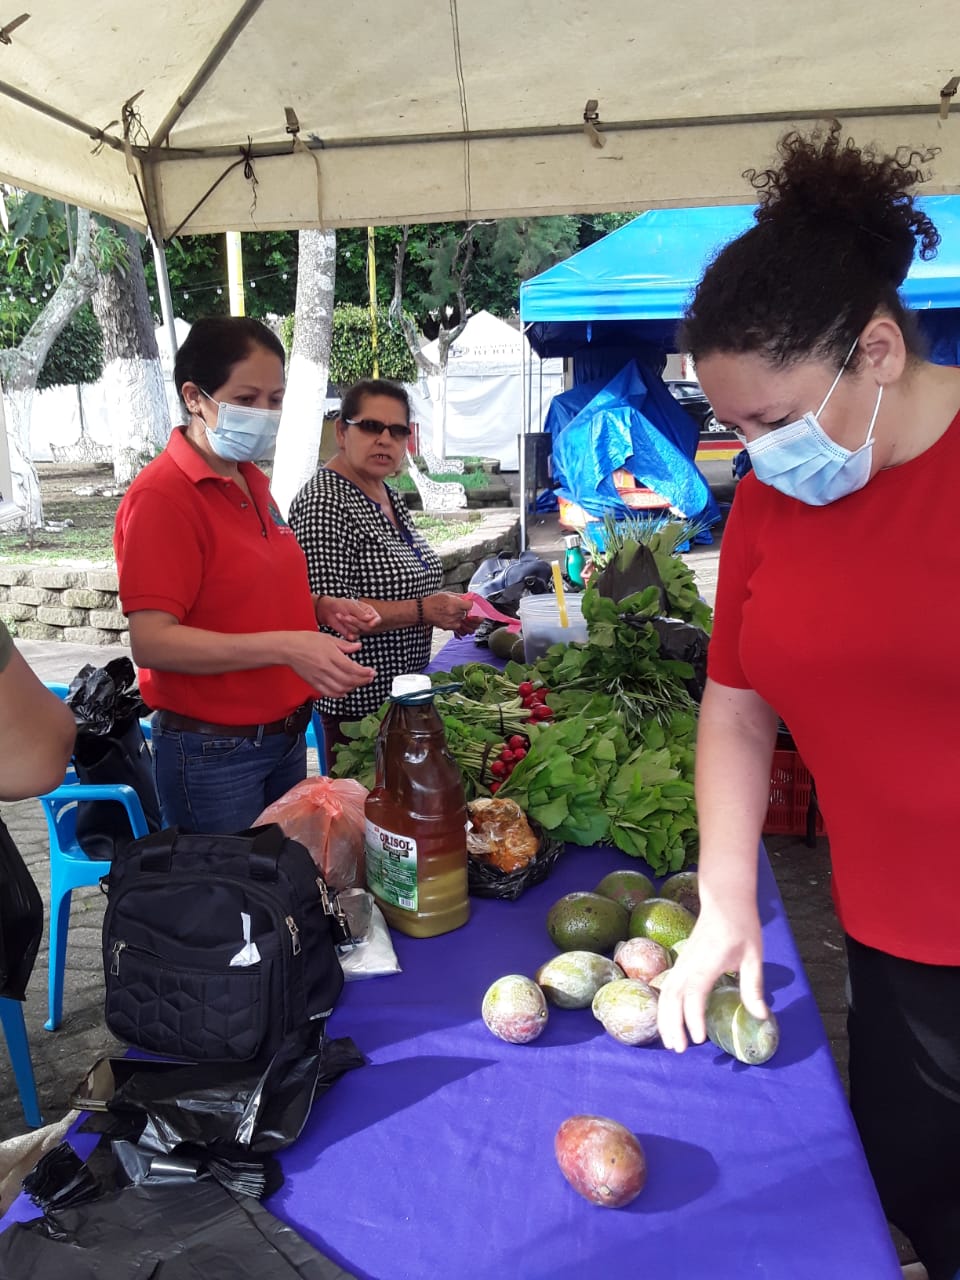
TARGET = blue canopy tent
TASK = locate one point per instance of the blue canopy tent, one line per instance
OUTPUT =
(620, 299)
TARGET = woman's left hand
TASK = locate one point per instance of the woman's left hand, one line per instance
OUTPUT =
(349, 618)
(468, 626)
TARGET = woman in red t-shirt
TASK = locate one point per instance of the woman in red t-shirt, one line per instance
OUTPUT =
(222, 621)
(803, 346)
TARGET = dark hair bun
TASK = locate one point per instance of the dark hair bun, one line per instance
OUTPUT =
(824, 179)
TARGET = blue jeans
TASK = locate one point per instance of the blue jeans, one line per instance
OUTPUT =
(223, 784)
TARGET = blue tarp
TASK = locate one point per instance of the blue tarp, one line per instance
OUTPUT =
(633, 285)
(632, 422)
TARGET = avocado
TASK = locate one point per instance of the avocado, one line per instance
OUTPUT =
(629, 888)
(587, 922)
(501, 642)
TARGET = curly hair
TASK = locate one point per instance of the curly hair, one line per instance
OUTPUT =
(836, 231)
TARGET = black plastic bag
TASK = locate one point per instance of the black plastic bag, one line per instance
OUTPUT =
(111, 749)
(683, 642)
(21, 919)
(486, 881)
(200, 1232)
(102, 697)
(208, 1103)
(632, 569)
(505, 582)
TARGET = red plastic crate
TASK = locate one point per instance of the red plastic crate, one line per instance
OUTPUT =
(791, 787)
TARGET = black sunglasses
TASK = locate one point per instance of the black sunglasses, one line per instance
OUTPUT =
(371, 427)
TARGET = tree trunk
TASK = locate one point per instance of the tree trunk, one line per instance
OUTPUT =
(20, 367)
(298, 443)
(133, 380)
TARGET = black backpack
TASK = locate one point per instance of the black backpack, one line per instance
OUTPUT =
(217, 947)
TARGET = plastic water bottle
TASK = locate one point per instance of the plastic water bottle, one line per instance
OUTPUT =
(416, 818)
(573, 559)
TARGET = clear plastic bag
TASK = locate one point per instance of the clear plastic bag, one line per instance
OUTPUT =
(371, 954)
(326, 816)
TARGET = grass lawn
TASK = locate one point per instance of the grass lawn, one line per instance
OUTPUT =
(91, 534)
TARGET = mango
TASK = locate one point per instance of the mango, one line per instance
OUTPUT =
(731, 1028)
(572, 979)
(664, 921)
(587, 922)
(514, 1009)
(629, 888)
(641, 958)
(601, 1159)
(627, 1010)
(683, 887)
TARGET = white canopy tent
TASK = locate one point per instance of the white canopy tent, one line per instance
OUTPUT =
(485, 386)
(259, 114)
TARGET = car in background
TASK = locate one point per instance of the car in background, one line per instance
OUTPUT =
(690, 396)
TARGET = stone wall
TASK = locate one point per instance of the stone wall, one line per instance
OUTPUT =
(78, 603)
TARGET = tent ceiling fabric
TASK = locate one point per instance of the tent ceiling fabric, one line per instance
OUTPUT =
(421, 109)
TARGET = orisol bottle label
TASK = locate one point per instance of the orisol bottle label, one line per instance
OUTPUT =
(391, 866)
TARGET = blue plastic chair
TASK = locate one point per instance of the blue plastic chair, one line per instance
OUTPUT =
(70, 868)
(314, 737)
(15, 1031)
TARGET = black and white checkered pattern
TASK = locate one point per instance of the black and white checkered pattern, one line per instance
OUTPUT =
(353, 550)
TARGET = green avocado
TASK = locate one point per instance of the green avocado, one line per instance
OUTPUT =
(587, 922)
(500, 642)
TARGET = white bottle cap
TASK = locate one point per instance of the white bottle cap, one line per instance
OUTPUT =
(409, 684)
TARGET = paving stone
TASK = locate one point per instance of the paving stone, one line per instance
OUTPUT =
(86, 598)
(57, 616)
(56, 577)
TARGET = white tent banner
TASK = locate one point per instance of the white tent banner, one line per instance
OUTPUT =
(259, 114)
(485, 392)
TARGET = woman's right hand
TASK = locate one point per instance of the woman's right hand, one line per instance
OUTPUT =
(322, 661)
(725, 939)
(445, 610)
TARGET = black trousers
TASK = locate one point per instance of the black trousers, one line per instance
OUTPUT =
(904, 1032)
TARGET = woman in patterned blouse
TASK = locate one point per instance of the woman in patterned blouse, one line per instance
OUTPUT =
(360, 543)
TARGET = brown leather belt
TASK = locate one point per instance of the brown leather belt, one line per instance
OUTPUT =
(293, 724)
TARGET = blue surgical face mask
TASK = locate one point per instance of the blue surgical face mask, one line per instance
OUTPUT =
(803, 462)
(242, 433)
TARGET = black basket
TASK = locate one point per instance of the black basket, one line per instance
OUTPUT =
(485, 881)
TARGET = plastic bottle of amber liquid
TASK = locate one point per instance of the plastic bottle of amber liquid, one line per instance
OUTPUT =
(416, 817)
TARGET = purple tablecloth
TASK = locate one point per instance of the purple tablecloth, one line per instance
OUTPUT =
(435, 1161)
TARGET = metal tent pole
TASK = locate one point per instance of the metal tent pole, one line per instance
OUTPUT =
(524, 430)
(166, 297)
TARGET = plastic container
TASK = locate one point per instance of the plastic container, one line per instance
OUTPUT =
(540, 623)
(415, 835)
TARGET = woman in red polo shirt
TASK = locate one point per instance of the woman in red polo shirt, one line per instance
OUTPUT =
(836, 609)
(223, 625)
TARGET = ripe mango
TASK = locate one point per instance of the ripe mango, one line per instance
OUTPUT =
(514, 1009)
(731, 1028)
(641, 958)
(601, 1159)
(627, 1010)
(572, 979)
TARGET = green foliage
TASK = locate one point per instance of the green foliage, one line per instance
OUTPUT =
(76, 355)
(197, 267)
(36, 252)
(470, 480)
(351, 356)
